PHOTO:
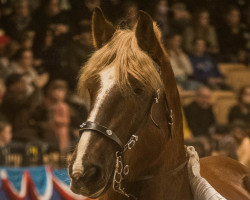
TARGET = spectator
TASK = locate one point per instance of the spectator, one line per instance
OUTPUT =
(27, 40)
(20, 21)
(18, 106)
(241, 111)
(205, 69)
(2, 91)
(131, 13)
(241, 134)
(222, 141)
(77, 54)
(82, 10)
(161, 16)
(246, 30)
(49, 54)
(54, 114)
(199, 113)
(4, 61)
(5, 133)
(50, 16)
(23, 64)
(201, 28)
(181, 17)
(231, 39)
(181, 64)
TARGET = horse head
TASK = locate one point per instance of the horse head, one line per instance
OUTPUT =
(125, 82)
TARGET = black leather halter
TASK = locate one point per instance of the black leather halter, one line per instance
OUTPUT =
(101, 129)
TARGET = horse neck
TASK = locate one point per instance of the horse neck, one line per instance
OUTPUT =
(161, 151)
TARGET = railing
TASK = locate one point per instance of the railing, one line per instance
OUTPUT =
(31, 154)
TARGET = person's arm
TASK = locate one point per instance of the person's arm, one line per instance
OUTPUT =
(244, 154)
(200, 187)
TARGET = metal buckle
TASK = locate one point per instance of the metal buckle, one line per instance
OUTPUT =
(132, 141)
(82, 125)
(157, 98)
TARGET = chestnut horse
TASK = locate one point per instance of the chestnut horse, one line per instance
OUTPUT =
(131, 146)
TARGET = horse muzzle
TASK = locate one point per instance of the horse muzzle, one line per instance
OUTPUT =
(91, 182)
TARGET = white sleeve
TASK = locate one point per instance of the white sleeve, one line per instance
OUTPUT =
(200, 187)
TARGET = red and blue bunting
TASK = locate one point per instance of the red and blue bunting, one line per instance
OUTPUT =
(36, 183)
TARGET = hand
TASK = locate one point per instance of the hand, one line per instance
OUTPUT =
(42, 80)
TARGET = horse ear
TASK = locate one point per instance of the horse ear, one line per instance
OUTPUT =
(145, 34)
(102, 29)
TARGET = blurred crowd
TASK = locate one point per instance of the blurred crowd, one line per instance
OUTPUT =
(44, 43)
(229, 139)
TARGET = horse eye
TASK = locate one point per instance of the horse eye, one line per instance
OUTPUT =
(138, 91)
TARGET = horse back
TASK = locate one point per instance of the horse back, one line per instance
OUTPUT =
(230, 178)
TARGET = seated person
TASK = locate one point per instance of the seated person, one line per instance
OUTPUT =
(199, 114)
(205, 69)
(18, 106)
(242, 139)
(231, 37)
(53, 116)
(77, 53)
(241, 111)
(222, 142)
(201, 28)
(5, 133)
(181, 64)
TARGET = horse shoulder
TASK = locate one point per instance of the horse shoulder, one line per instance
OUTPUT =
(230, 178)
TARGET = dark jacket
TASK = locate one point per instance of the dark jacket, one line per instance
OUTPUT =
(199, 120)
(204, 67)
(236, 114)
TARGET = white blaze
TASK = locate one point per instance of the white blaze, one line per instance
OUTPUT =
(107, 79)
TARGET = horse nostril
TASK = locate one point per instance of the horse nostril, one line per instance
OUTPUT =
(77, 175)
(90, 174)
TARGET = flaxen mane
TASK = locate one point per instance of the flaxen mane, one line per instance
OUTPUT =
(124, 54)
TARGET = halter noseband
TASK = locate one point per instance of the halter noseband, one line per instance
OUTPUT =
(101, 129)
